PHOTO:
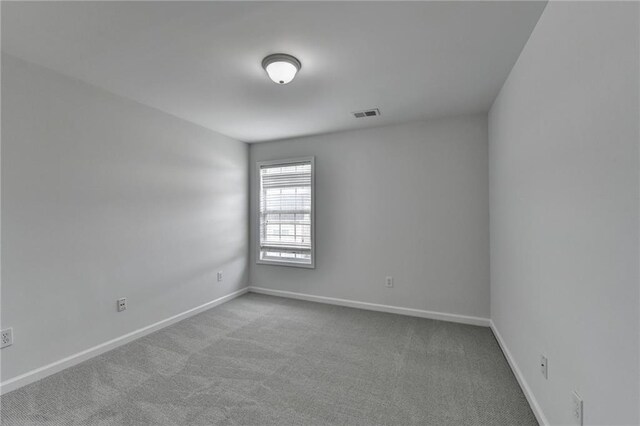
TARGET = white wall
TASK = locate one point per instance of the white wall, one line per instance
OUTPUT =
(410, 201)
(105, 198)
(564, 211)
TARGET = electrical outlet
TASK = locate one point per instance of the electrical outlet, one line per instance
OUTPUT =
(122, 304)
(6, 337)
(388, 282)
(544, 366)
(577, 409)
(219, 276)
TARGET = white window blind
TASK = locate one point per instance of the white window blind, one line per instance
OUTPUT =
(286, 212)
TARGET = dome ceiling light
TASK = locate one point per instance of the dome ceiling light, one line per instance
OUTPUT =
(281, 68)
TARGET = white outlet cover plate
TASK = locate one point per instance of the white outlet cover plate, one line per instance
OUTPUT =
(544, 366)
(7, 338)
(122, 304)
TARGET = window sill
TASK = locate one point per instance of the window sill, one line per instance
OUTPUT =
(289, 264)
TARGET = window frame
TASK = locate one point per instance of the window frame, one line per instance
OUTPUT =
(258, 183)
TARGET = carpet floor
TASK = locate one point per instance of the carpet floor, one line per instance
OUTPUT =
(262, 360)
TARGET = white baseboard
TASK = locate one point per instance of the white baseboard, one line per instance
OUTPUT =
(54, 367)
(533, 402)
(464, 319)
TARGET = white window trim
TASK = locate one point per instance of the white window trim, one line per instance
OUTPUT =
(259, 164)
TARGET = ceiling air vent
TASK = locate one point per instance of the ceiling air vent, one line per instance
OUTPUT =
(368, 113)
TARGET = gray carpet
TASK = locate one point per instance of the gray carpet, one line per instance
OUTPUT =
(261, 360)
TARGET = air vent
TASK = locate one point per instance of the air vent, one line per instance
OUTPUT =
(368, 113)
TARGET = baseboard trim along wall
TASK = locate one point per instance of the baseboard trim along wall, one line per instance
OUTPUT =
(533, 402)
(54, 367)
(464, 319)
(47, 370)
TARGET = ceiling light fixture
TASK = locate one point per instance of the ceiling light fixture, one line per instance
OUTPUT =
(281, 68)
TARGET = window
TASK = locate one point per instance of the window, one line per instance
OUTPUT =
(286, 218)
